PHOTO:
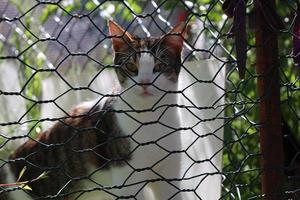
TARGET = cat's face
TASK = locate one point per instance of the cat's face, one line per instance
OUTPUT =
(147, 67)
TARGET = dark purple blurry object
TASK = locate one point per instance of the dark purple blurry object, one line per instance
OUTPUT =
(240, 34)
(237, 10)
(228, 7)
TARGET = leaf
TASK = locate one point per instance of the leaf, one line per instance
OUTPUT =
(47, 11)
(136, 8)
(240, 34)
(296, 38)
(26, 187)
(90, 5)
(127, 15)
(22, 173)
(42, 175)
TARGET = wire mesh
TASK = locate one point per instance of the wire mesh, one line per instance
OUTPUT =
(54, 55)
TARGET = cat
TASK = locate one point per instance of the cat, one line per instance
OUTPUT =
(122, 146)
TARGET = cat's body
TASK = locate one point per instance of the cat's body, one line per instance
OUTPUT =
(122, 146)
(69, 148)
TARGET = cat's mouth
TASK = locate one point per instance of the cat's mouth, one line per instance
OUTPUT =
(146, 93)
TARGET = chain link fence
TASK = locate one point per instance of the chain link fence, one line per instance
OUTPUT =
(54, 55)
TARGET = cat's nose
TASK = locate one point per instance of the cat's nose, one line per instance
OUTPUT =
(144, 83)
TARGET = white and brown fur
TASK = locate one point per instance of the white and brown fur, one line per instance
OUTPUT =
(122, 146)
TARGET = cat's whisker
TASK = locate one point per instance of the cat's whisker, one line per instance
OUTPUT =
(160, 52)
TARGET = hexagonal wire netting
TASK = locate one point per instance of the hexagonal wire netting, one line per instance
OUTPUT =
(57, 54)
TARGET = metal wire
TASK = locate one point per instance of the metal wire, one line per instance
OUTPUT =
(58, 40)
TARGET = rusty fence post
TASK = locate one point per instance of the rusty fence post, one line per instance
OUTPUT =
(268, 86)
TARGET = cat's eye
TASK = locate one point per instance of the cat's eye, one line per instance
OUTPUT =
(158, 67)
(131, 67)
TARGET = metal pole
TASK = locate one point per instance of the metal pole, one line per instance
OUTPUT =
(267, 68)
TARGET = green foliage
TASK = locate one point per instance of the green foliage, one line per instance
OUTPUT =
(31, 80)
(133, 7)
(47, 11)
(90, 5)
(33, 92)
(289, 72)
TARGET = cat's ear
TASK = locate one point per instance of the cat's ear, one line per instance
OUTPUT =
(174, 39)
(120, 38)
